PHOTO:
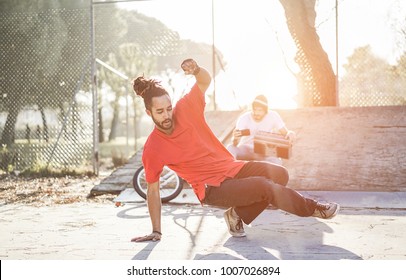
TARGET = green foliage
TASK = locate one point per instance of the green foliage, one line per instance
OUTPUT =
(118, 158)
(6, 159)
(40, 55)
(12, 158)
(38, 170)
(46, 48)
(370, 80)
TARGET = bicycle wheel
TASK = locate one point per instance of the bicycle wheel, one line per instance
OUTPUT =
(170, 184)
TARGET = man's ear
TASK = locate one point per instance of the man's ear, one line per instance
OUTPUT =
(148, 112)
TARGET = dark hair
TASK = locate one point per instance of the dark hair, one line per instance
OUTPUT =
(147, 89)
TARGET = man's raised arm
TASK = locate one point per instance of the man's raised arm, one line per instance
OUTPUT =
(203, 77)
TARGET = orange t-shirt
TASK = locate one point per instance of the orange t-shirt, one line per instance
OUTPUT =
(192, 150)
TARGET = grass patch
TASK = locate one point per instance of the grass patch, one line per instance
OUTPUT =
(31, 159)
(47, 172)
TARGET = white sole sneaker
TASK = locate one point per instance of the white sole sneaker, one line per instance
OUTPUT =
(235, 226)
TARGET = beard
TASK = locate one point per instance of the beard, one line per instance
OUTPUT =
(165, 125)
(258, 117)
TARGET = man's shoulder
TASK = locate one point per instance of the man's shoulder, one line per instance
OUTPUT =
(189, 100)
(245, 115)
(274, 119)
(194, 92)
(244, 120)
(272, 114)
(151, 141)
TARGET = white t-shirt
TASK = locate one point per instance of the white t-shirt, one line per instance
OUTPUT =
(272, 122)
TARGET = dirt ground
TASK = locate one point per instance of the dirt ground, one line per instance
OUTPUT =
(51, 191)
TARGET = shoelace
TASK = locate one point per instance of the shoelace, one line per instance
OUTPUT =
(239, 225)
(322, 208)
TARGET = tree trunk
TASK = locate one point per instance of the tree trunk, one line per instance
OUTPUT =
(316, 79)
(75, 120)
(44, 124)
(114, 126)
(115, 120)
(8, 135)
(137, 122)
(62, 116)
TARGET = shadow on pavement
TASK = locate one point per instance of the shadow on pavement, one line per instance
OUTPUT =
(274, 235)
(293, 239)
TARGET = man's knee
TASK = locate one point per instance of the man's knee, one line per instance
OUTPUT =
(278, 173)
(283, 176)
(262, 185)
(267, 188)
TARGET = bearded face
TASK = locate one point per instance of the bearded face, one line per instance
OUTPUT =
(161, 113)
(258, 113)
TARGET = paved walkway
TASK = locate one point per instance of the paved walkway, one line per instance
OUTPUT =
(370, 226)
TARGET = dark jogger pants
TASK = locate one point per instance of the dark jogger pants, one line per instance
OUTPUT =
(257, 185)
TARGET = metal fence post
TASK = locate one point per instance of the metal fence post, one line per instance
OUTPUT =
(94, 95)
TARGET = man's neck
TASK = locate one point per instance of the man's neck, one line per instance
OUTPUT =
(166, 131)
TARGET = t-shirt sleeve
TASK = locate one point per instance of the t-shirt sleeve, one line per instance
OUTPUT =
(242, 122)
(194, 102)
(152, 166)
(278, 122)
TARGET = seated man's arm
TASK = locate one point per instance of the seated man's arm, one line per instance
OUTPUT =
(289, 134)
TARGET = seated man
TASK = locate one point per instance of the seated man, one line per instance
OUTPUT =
(252, 122)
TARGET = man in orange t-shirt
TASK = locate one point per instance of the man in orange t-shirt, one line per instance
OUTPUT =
(183, 141)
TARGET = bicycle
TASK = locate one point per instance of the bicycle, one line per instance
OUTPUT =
(170, 184)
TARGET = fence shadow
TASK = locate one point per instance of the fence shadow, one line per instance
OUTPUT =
(274, 235)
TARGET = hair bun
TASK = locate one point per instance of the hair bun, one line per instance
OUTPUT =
(140, 85)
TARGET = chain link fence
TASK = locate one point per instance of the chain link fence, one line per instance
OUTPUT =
(47, 109)
(372, 53)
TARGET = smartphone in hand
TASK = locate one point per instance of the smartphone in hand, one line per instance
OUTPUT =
(245, 132)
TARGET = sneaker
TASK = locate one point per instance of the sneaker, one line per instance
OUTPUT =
(326, 210)
(235, 226)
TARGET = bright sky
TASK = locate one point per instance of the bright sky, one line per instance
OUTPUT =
(258, 49)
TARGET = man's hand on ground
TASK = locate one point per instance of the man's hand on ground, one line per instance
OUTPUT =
(153, 236)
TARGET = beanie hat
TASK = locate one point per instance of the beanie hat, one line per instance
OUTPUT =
(261, 101)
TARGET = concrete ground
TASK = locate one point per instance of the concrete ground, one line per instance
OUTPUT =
(370, 226)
